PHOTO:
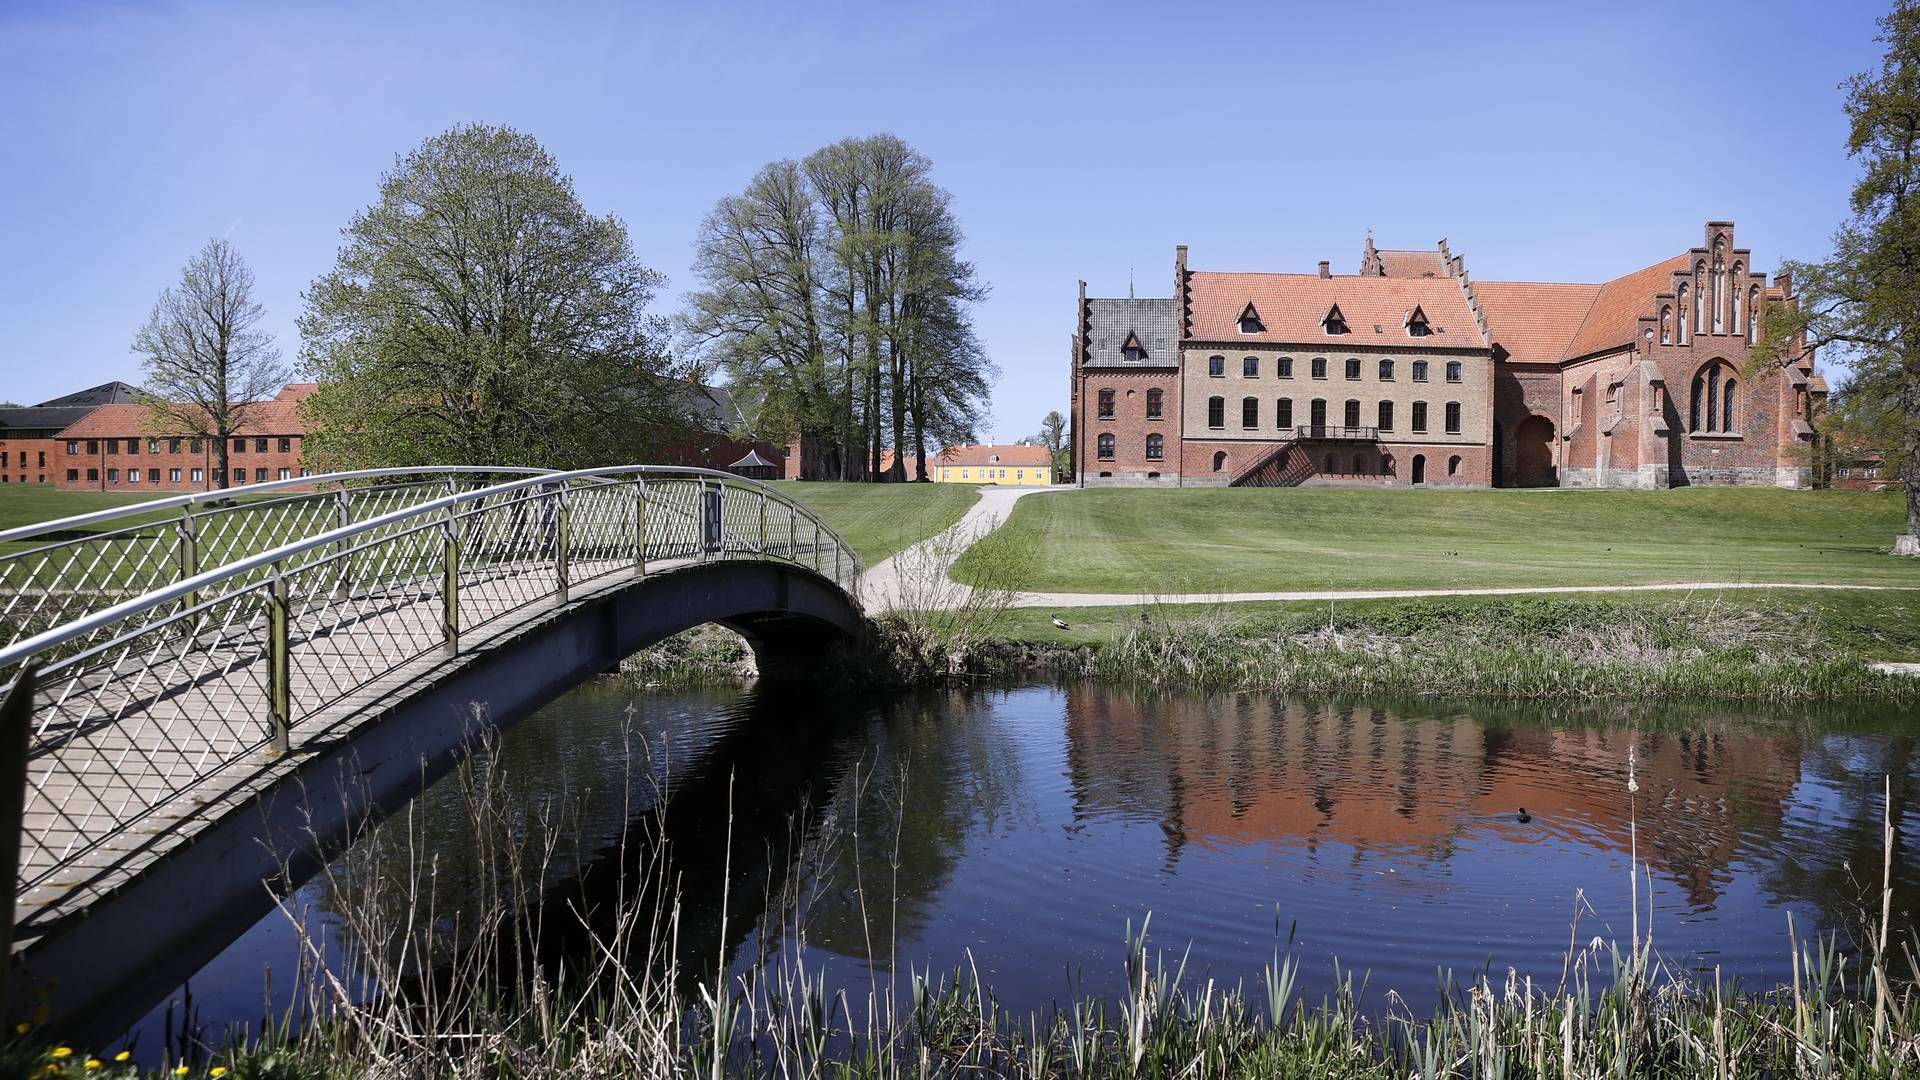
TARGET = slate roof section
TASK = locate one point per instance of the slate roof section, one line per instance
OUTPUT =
(1293, 305)
(1534, 321)
(113, 393)
(51, 417)
(1154, 322)
(38, 421)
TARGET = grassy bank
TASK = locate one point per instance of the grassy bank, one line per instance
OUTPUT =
(881, 519)
(1233, 540)
(1790, 646)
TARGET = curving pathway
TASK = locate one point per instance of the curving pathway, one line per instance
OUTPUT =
(882, 586)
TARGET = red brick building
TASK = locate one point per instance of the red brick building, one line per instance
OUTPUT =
(114, 448)
(29, 436)
(1411, 372)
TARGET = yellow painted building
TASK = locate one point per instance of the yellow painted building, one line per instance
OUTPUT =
(1015, 466)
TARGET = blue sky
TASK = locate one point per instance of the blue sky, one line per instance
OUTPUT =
(1080, 140)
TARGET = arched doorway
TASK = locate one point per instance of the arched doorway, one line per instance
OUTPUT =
(1419, 468)
(1533, 453)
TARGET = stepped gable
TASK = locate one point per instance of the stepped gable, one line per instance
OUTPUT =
(1112, 325)
(1292, 308)
(1534, 321)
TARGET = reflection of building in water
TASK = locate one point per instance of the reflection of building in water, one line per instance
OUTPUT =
(1252, 768)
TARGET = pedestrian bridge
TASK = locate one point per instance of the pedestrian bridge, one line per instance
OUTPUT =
(214, 691)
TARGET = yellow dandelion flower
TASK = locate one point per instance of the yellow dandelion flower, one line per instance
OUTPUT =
(94, 1063)
(22, 1028)
(62, 1051)
(181, 1071)
(123, 1055)
(217, 1070)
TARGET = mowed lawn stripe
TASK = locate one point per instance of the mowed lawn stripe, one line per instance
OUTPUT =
(880, 520)
(1214, 540)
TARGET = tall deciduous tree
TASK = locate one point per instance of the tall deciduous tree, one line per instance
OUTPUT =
(833, 291)
(208, 365)
(1864, 300)
(479, 314)
(1053, 436)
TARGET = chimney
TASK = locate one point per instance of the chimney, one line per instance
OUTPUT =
(1325, 268)
(1784, 282)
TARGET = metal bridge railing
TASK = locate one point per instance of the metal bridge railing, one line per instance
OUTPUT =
(57, 571)
(137, 706)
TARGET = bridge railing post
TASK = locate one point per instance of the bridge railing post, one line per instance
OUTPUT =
(189, 550)
(16, 720)
(763, 522)
(279, 666)
(640, 525)
(450, 577)
(560, 539)
(343, 517)
(793, 535)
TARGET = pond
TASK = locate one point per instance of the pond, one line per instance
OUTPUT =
(1020, 831)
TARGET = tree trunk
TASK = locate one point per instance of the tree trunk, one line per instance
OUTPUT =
(221, 447)
(1910, 466)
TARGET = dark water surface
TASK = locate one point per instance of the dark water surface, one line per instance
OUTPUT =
(1021, 830)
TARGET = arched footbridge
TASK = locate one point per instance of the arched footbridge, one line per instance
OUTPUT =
(211, 691)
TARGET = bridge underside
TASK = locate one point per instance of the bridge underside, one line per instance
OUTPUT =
(135, 933)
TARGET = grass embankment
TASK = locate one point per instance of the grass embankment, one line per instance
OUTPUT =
(1794, 646)
(880, 520)
(1206, 541)
(31, 504)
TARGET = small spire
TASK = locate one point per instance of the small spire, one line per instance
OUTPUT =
(1129, 282)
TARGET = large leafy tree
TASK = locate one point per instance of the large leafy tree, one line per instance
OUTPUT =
(478, 314)
(208, 364)
(833, 292)
(1864, 300)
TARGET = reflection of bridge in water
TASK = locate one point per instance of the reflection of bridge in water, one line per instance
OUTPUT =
(211, 693)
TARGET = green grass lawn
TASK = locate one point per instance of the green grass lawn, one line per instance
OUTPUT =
(1232, 540)
(881, 519)
(28, 504)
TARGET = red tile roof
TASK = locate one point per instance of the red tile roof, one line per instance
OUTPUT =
(281, 416)
(1411, 264)
(1291, 307)
(886, 463)
(1618, 306)
(1534, 320)
(1015, 455)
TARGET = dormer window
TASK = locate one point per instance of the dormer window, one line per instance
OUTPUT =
(1417, 324)
(1335, 322)
(1132, 351)
(1250, 320)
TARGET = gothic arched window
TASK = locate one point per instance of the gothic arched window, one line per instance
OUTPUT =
(1680, 294)
(1666, 324)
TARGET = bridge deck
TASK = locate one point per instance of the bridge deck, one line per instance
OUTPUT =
(159, 733)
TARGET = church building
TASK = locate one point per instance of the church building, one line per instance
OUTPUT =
(1411, 372)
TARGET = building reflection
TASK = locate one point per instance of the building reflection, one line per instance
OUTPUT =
(1256, 769)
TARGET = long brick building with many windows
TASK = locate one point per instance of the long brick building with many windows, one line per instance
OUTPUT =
(1411, 372)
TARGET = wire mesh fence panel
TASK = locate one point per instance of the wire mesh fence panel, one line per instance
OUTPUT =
(129, 726)
(146, 715)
